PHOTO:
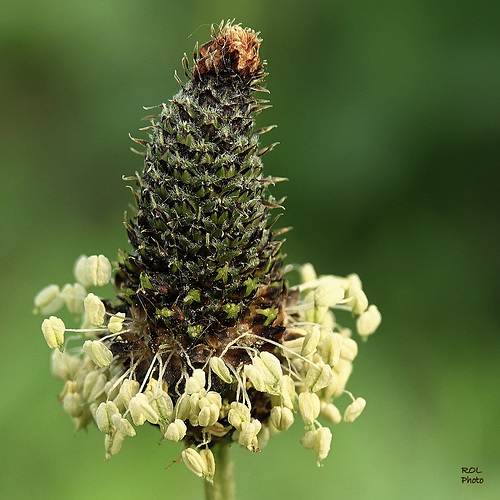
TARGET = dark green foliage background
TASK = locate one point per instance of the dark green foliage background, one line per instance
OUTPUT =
(389, 123)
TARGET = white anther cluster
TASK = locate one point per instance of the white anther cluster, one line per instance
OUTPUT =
(299, 377)
(319, 353)
(94, 388)
(89, 271)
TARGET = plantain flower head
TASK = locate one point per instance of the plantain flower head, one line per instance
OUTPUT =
(203, 337)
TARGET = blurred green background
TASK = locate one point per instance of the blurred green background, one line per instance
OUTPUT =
(389, 124)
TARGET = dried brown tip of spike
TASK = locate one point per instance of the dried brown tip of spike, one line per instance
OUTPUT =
(234, 49)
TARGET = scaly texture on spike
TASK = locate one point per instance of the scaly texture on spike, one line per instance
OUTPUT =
(206, 265)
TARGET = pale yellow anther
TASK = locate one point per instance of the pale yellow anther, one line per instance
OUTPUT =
(162, 404)
(221, 370)
(309, 440)
(354, 280)
(83, 420)
(369, 321)
(70, 387)
(328, 294)
(98, 270)
(214, 415)
(203, 402)
(287, 391)
(311, 341)
(176, 430)
(331, 412)
(53, 330)
(194, 401)
(265, 373)
(196, 382)
(308, 313)
(309, 407)
(328, 320)
(183, 407)
(115, 323)
(73, 296)
(123, 425)
(111, 390)
(357, 299)
(94, 385)
(318, 440)
(64, 365)
(331, 347)
(194, 462)
(319, 314)
(128, 389)
(113, 444)
(95, 309)
(141, 410)
(98, 352)
(256, 377)
(80, 271)
(318, 376)
(104, 415)
(263, 436)
(238, 414)
(248, 434)
(121, 428)
(214, 398)
(307, 273)
(204, 417)
(208, 457)
(323, 443)
(73, 404)
(272, 364)
(353, 411)
(282, 418)
(48, 300)
(349, 349)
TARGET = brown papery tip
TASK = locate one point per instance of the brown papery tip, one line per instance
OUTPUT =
(234, 49)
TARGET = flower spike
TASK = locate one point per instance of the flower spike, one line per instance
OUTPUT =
(202, 337)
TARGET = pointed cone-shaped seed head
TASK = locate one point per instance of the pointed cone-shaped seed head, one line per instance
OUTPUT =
(205, 264)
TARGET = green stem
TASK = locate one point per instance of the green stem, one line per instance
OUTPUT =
(222, 487)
